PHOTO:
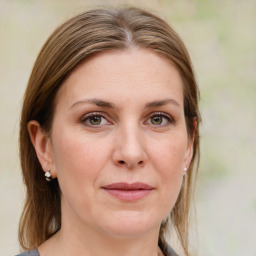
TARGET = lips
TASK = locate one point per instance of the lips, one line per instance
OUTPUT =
(128, 192)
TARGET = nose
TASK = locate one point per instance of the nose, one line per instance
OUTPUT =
(129, 149)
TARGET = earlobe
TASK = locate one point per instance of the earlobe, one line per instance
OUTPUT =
(42, 144)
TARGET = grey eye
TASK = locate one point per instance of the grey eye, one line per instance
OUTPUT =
(95, 120)
(156, 120)
(159, 119)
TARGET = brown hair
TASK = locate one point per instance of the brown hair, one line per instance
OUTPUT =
(89, 33)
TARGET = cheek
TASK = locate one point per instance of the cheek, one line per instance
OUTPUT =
(169, 162)
(169, 156)
(78, 159)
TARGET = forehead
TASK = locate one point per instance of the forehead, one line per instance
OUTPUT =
(139, 73)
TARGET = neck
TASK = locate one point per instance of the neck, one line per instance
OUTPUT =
(62, 244)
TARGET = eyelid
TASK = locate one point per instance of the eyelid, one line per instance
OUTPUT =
(162, 114)
(97, 113)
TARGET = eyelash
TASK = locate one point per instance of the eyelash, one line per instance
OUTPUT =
(168, 118)
(91, 115)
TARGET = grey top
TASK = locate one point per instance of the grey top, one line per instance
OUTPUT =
(35, 252)
(171, 252)
(29, 253)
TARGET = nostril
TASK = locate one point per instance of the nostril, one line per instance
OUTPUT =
(140, 163)
(122, 162)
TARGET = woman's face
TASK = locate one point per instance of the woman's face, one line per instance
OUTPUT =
(119, 143)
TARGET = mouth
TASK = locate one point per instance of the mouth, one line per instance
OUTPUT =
(128, 192)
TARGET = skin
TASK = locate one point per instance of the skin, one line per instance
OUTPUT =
(133, 140)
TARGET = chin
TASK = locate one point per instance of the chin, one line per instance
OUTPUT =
(130, 225)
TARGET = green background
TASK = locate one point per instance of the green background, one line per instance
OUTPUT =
(221, 38)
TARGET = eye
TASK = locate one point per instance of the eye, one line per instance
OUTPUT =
(159, 119)
(95, 119)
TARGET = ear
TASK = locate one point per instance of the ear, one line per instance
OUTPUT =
(190, 146)
(42, 145)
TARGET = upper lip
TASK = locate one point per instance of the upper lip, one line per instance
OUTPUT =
(128, 186)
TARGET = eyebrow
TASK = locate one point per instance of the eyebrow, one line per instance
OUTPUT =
(106, 104)
(97, 102)
(159, 103)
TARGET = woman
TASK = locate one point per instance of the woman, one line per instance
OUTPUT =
(109, 138)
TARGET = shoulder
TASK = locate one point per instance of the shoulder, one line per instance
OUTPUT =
(29, 253)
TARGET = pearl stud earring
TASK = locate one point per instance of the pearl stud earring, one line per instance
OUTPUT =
(48, 175)
(185, 172)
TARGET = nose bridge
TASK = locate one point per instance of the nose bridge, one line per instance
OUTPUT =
(131, 139)
(130, 149)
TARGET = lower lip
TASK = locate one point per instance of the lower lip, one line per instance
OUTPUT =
(129, 195)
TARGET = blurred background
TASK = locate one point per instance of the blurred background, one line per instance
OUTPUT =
(221, 38)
